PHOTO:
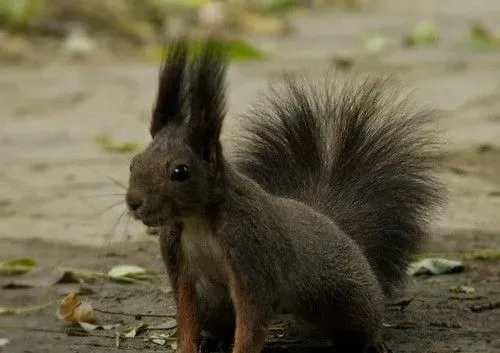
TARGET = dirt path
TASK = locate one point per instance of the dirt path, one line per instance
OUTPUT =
(55, 187)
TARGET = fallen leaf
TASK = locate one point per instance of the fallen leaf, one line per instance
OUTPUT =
(4, 342)
(165, 336)
(165, 325)
(159, 341)
(375, 44)
(130, 272)
(135, 330)
(109, 144)
(92, 327)
(17, 266)
(481, 37)
(43, 278)
(423, 33)
(463, 289)
(72, 309)
(435, 266)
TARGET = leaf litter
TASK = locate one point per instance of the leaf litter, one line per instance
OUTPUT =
(74, 279)
(74, 310)
(4, 341)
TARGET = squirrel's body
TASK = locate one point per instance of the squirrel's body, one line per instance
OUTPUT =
(315, 215)
(317, 273)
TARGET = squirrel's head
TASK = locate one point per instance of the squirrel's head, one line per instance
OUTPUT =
(180, 172)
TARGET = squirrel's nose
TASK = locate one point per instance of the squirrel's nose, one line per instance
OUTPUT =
(133, 200)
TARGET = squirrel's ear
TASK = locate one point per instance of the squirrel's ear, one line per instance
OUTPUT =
(208, 99)
(172, 87)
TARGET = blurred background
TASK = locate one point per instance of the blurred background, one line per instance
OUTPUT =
(77, 82)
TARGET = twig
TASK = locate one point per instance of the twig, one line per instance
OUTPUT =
(134, 315)
(67, 332)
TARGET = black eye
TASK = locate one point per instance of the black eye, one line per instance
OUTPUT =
(180, 173)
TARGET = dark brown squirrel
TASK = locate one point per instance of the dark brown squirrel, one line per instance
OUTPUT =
(315, 213)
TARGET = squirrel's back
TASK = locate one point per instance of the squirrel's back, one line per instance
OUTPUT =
(355, 150)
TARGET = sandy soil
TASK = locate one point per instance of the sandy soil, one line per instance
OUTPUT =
(56, 188)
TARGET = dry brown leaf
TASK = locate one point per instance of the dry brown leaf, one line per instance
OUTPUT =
(73, 309)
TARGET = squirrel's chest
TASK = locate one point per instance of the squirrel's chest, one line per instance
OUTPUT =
(202, 251)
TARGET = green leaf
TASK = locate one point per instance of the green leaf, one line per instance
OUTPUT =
(109, 144)
(17, 266)
(480, 38)
(423, 33)
(236, 49)
(16, 14)
(130, 272)
(277, 5)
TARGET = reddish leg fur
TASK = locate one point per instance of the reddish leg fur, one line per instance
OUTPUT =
(250, 324)
(187, 316)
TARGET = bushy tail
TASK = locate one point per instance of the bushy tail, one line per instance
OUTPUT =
(355, 151)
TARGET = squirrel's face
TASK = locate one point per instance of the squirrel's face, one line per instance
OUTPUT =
(166, 181)
(180, 172)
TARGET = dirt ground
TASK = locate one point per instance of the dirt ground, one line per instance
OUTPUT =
(57, 188)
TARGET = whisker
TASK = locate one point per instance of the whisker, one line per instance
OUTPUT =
(110, 207)
(110, 235)
(109, 178)
(127, 234)
(104, 195)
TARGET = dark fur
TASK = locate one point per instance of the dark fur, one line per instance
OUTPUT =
(356, 151)
(329, 190)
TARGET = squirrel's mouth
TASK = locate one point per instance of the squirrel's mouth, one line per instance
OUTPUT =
(149, 220)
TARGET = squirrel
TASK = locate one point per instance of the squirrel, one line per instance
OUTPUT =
(316, 212)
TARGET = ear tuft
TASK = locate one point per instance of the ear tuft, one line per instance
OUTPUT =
(170, 104)
(208, 96)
